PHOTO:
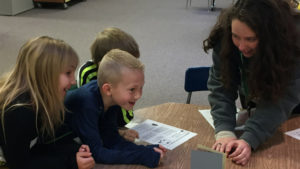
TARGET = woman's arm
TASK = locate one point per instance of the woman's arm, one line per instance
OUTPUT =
(268, 115)
(221, 99)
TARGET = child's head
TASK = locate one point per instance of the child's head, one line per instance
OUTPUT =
(41, 62)
(113, 38)
(45, 70)
(121, 76)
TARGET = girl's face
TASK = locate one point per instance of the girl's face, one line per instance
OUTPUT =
(66, 80)
(126, 92)
(244, 38)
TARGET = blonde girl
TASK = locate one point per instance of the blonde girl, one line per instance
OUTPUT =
(33, 133)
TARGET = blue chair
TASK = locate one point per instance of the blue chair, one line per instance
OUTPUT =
(195, 80)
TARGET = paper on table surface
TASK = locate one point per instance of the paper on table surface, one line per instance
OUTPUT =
(294, 133)
(154, 132)
(206, 114)
(208, 117)
(131, 124)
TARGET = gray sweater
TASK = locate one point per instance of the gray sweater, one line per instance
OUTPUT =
(267, 117)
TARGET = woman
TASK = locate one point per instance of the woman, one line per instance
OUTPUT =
(256, 54)
(33, 134)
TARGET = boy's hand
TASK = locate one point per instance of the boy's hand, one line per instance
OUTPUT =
(221, 143)
(129, 134)
(84, 158)
(241, 153)
(84, 148)
(161, 150)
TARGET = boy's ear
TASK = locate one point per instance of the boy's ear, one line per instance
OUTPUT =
(106, 88)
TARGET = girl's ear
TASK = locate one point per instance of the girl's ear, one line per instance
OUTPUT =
(106, 88)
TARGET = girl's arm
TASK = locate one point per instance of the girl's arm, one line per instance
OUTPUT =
(20, 130)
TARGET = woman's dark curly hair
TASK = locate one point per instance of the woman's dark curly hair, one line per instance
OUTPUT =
(274, 61)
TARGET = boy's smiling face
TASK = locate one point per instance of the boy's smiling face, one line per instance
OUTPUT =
(129, 89)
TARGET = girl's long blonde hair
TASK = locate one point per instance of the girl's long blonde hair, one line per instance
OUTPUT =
(36, 73)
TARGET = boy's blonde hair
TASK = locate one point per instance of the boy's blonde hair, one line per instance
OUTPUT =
(110, 68)
(36, 73)
(113, 38)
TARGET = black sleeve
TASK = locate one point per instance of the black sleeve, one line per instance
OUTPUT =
(20, 130)
(60, 155)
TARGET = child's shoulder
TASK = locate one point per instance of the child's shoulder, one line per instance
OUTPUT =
(87, 64)
(88, 90)
(86, 73)
(84, 97)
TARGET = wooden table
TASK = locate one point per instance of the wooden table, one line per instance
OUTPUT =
(279, 152)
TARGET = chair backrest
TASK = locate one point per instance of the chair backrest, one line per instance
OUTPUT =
(196, 80)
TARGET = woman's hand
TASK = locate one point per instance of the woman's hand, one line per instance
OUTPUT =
(129, 134)
(241, 151)
(221, 143)
(84, 158)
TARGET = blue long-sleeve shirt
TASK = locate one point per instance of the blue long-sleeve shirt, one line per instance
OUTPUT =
(99, 129)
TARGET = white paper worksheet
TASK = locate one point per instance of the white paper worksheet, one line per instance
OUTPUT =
(208, 117)
(294, 133)
(154, 132)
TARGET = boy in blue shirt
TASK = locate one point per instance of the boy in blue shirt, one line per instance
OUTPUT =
(120, 82)
(106, 40)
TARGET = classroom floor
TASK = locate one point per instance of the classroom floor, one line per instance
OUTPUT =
(169, 35)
